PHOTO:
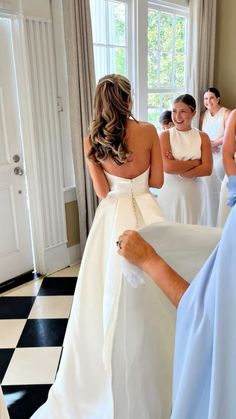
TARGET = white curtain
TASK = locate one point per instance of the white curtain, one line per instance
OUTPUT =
(81, 80)
(201, 48)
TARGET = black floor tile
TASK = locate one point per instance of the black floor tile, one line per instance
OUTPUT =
(5, 357)
(58, 286)
(43, 332)
(15, 307)
(24, 400)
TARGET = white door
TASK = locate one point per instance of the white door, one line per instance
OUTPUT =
(15, 239)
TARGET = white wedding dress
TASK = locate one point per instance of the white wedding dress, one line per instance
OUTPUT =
(118, 349)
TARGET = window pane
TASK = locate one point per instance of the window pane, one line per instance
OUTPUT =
(152, 29)
(110, 36)
(98, 17)
(166, 70)
(166, 32)
(118, 60)
(100, 58)
(167, 100)
(180, 33)
(154, 100)
(153, 116)
(152, 69)
(117, 23)
(179, 70)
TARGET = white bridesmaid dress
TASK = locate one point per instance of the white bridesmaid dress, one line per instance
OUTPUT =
(180, 198)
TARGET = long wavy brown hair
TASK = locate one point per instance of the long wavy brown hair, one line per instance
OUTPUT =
(112, 108)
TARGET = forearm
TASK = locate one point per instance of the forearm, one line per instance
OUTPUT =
(179, 167)
(199, 171)
(229, 165)
(171, 284)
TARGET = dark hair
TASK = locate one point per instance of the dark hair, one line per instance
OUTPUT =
(165, 117)
(213, 90)
(188, 100)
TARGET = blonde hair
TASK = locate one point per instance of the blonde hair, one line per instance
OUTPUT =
(112, 108)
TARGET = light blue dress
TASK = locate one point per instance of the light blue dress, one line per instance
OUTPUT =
(205, 347)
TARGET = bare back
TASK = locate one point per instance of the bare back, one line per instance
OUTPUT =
(142, 139)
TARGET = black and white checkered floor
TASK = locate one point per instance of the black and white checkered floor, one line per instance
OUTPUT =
(33, 320)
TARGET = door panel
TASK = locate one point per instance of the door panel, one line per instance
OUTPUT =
(15, 238)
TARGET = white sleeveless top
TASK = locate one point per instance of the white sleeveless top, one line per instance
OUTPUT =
(185, 145)
(214, 125)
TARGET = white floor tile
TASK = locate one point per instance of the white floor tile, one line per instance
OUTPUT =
(10, 331)
(29, 289)
(32, 366)
(51, 307)
(71, 271)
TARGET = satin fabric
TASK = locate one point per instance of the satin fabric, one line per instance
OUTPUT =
(118, 349)
(205, 347)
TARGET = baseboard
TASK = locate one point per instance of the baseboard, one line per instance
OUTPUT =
(18, 280)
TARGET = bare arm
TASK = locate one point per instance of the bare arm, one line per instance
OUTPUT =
(139, 252)
(156, 177)
(201, 120)
(219, 141)
(229, 145)
(172, 166)
(96, 172)
(205, 168)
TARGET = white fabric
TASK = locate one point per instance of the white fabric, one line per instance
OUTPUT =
(185, 145)
(214, 127)
(117, 357)
(180, 197)
(3, 410)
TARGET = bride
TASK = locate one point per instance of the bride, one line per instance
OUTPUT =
(117, 356)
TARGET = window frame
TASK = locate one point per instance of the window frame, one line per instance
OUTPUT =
(137, 49)
(177, 10)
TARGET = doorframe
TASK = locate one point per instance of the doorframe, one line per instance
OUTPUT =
(47, 258)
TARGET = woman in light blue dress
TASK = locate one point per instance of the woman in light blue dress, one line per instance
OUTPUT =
(205, 347)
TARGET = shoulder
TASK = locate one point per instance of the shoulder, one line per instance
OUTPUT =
(165, 135)
(147, 126)
(204, 136)
(232, 117)
(227, 112)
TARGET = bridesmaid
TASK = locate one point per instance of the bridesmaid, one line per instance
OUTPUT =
(213, 121)
(187, 157)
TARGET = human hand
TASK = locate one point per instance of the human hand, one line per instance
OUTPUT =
(215, 147)
(169, 155)
(134, 248)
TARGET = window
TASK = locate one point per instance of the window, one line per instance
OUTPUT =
(167, 33)
(146, 41)
(109, 25)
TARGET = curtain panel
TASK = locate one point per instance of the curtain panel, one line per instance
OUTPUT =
(81, 86)
(201, 49)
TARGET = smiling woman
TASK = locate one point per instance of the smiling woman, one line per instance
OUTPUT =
(213, 122)
(186, 154)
